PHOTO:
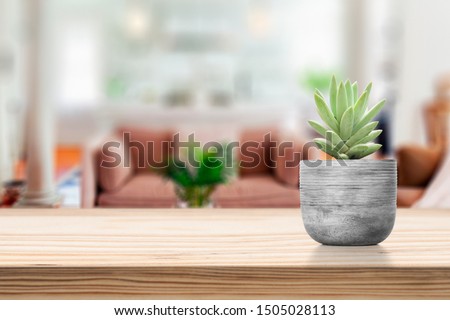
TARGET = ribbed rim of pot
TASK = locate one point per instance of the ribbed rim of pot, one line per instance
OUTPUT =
(361, 160)
(384, 163)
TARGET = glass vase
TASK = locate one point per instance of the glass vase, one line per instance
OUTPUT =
(194, 196)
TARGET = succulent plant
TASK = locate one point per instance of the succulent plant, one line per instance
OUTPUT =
(349, 130)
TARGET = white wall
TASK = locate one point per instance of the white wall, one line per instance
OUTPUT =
(5, 165)
(425, 55)
(5, 71)
(12, 79)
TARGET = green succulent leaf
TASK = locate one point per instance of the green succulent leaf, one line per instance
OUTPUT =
(325, 113)
(318, 127)
(361, 133)
(320, 94)
(326, 147)
(357, 151)
(320, 142)
(333, 95)
(368, 89)
(363, 107)
(363, 150)
(341, 102)
(349, 92)
(346, 126)
(355, 91)
(360, 106)
(336, 141)
(369, 115)
(372, 136)
(371, 148)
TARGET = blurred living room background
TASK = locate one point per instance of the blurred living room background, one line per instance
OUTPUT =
(75, 71)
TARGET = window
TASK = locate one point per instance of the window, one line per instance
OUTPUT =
(78, 71)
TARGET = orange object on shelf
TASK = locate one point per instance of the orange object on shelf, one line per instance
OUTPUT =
(66, 158)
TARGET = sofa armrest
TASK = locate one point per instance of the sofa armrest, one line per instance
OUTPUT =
(288, 154)
(89, 169)
(417, 165)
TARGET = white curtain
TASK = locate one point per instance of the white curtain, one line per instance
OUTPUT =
(437, 194)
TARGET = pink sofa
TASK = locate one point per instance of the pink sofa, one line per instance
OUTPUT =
(261, 186)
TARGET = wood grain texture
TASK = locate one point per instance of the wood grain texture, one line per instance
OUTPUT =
(217, 253)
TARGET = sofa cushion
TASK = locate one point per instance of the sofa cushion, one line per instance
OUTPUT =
(256, 191)
(417, 165)
(407, 196)
(112, 176)
(141, 191)
(148, 148)
(288, 154)
(255, 157)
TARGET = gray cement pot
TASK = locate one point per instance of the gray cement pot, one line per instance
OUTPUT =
(348, 203)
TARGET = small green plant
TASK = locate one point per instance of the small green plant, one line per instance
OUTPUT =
(197, 176)
(349, 130)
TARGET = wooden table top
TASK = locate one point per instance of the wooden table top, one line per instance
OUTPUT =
(213, 253)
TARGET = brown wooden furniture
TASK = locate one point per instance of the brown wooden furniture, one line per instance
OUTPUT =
(418, 164)
(214, 253)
